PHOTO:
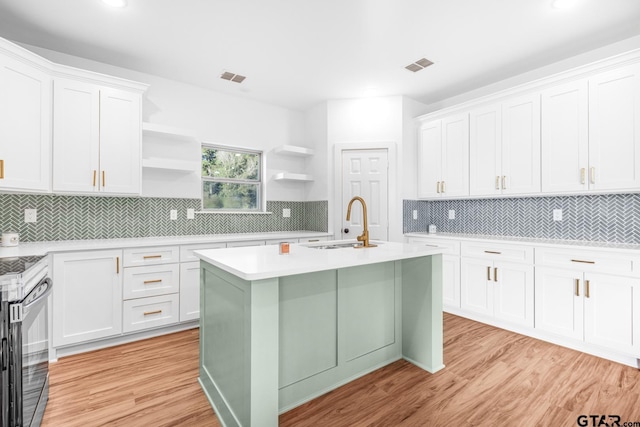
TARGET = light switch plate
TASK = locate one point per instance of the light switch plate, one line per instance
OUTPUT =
(286, 213)
(191, 213)
(30, 215)
(557, 214)
(415, 214)
(452, 214)
(173, 214)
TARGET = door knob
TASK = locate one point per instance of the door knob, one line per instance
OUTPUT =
(346, 231)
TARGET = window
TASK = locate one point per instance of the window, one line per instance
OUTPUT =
(231, 179)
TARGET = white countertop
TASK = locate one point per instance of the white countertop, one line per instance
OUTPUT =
(43, 248)
(529, 241)
(264, 262)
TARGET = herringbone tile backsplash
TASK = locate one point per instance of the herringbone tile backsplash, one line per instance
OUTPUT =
(90, 217)
(601, 218)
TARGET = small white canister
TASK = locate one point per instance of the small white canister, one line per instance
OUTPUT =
(10, 239)
(432, 228)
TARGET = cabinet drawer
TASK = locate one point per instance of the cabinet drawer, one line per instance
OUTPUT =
(151, 312)
(151, 280)
(497, 252)
(451, 247)
(134, 257)
(186, 251)
(618, 263)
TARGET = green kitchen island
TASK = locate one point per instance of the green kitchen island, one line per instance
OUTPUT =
(279, 330)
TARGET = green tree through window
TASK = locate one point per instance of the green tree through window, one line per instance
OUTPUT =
(231, 179)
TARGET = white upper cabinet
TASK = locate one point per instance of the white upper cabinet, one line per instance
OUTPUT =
(443, 158)
(96, 139)
(505, 148)
(25, 123)
(614, 129)
(565, 137)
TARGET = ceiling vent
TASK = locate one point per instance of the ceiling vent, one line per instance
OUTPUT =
(232, 77)
(420, 64)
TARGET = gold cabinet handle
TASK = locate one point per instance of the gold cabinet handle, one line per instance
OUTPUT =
(488, 273)
(577, 287)
(103, 179)
(504, 182)
(149, 313)
(438, 187)
(493, 252)
(117, 265)
(586, 288)
(442, 187)
(1, 169)
(95, 172)
(583, 261)
(582, 175)
(592, 174)
(495, 274)
(148, 282)
(497, 182)
(151, 256)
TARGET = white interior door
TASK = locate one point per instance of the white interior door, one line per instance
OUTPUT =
(365, 174)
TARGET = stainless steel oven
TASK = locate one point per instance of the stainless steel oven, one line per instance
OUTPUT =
(24, 334)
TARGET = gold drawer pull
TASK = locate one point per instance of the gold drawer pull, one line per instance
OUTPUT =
(582, 175)
(495, 274)
(149, 313)
(582, 261)
(438, 187)
(577, 287)
(586, 290)
(1, 169)
(117, 265)
(148, 282)
(103, 179)
(592, 175)
(504, 182)
(493, 252)
(151, 256)
(489, 273)
(442, 187)
(497, 182)
(94, 177)
(313, 240)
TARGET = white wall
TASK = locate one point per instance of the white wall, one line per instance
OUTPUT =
(215, 117)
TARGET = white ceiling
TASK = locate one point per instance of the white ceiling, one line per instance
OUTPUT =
(297, 53)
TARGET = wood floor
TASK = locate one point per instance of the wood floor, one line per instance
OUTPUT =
(492, 378)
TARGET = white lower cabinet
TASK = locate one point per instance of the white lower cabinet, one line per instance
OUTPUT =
(189, 291)
(595, 308)
(501, 290)
(150, 312)
(87, 297)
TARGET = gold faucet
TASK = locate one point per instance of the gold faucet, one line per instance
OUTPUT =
(364, 237)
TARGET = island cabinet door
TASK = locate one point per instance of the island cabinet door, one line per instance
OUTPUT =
(558, 301)
(612, 312)
(513, 293)
(451, 281)
(476, 286)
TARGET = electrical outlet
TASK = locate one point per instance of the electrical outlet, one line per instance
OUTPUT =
(557, 214)
(173, 214)
(191, 213)
(452, 214)
(415, 214)
(286, 213)
(30, 215)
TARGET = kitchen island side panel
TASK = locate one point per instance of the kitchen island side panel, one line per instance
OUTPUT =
(422, 325)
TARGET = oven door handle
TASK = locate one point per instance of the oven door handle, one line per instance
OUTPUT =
(38, 298)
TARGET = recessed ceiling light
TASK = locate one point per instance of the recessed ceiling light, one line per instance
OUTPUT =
(563, 4)
(418, 65)
(115, 3)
